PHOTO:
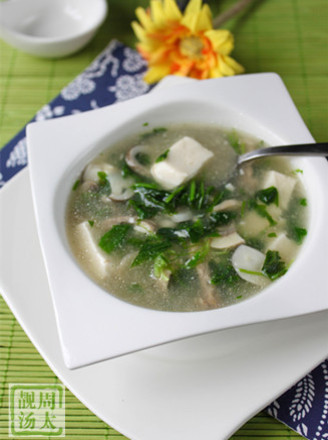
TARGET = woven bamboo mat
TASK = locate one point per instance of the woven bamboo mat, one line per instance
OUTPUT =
(288, 37)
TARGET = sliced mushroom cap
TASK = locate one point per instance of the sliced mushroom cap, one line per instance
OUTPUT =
(120, 186)
(227, 205)
(145, 227)
(208, 297)
(182, 215)
(90, 173)
(110, 222)
(131, 159)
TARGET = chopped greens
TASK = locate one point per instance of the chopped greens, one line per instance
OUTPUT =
(234, 141)
(76, 184)
(273, 266)
(298, 234)
(91, 223)
(303, 202)
(151, 248)
(268, 195)
(161, 268)
(115, 237)
(155, 131)
(143, 158)
(251, 272)
(162, 156)
(261, 211)
(104, 184)
(198, 257)
(223, 273)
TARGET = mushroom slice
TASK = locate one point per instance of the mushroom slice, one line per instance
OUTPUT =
(182, 215)
(227, 205)
(90, 173)
(248, 263)
(227, 241)
(131, 158)
(145, 227)
(110, 222)
(208, 297)
(120, 186)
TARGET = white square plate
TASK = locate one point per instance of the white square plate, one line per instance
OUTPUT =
(94, 325)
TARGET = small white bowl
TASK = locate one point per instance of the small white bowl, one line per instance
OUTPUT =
(94, 325)
(50, 28)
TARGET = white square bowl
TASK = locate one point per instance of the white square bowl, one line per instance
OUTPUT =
(94, 325)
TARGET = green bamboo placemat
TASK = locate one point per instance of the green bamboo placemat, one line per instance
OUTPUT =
(288, 37)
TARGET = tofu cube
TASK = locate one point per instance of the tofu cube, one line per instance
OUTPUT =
(97, 261)
(284, 184)
(284, 246)
(253, 224)
(185, 158)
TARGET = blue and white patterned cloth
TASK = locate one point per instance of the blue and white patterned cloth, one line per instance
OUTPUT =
(116, 75)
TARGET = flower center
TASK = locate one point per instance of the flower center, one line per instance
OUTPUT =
(191, 46)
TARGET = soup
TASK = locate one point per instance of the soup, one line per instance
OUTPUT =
(160, 221)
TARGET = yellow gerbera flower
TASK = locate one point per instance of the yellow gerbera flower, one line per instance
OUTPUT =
(183, 44)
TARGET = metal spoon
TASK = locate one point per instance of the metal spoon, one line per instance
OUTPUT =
(320, 149)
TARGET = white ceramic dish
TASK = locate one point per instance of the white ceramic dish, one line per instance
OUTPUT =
(94, 325)
(203, 387)
(48, 28)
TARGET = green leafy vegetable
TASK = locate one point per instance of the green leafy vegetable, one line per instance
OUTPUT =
(91, 223)
(151, 248)
(234, 141)
(262, 211)
(251, 272)
(268, 195)
(76, 184)
(272, 234)
(298, 234)
(104, 184)
(148, 134)
(198, 257)
(148, 200)
(223, 273)
(161, 268)
(143, 158)
(273, 266)
(162, 156)
(115, 237)
(303, 202)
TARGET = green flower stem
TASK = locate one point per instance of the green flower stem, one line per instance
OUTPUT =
(231, 12)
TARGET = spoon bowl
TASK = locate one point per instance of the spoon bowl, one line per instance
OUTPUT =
(319, 149)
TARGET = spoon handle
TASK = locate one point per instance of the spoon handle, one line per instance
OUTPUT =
(319, 149)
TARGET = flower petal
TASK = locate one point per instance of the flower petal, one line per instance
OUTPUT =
(222, 40)
(157, 13)
(233, 64)
(171, 10)
(204, 21)
(144, 19)
(191, 14)
(156, 73)
(139, 31)
(193, 7)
